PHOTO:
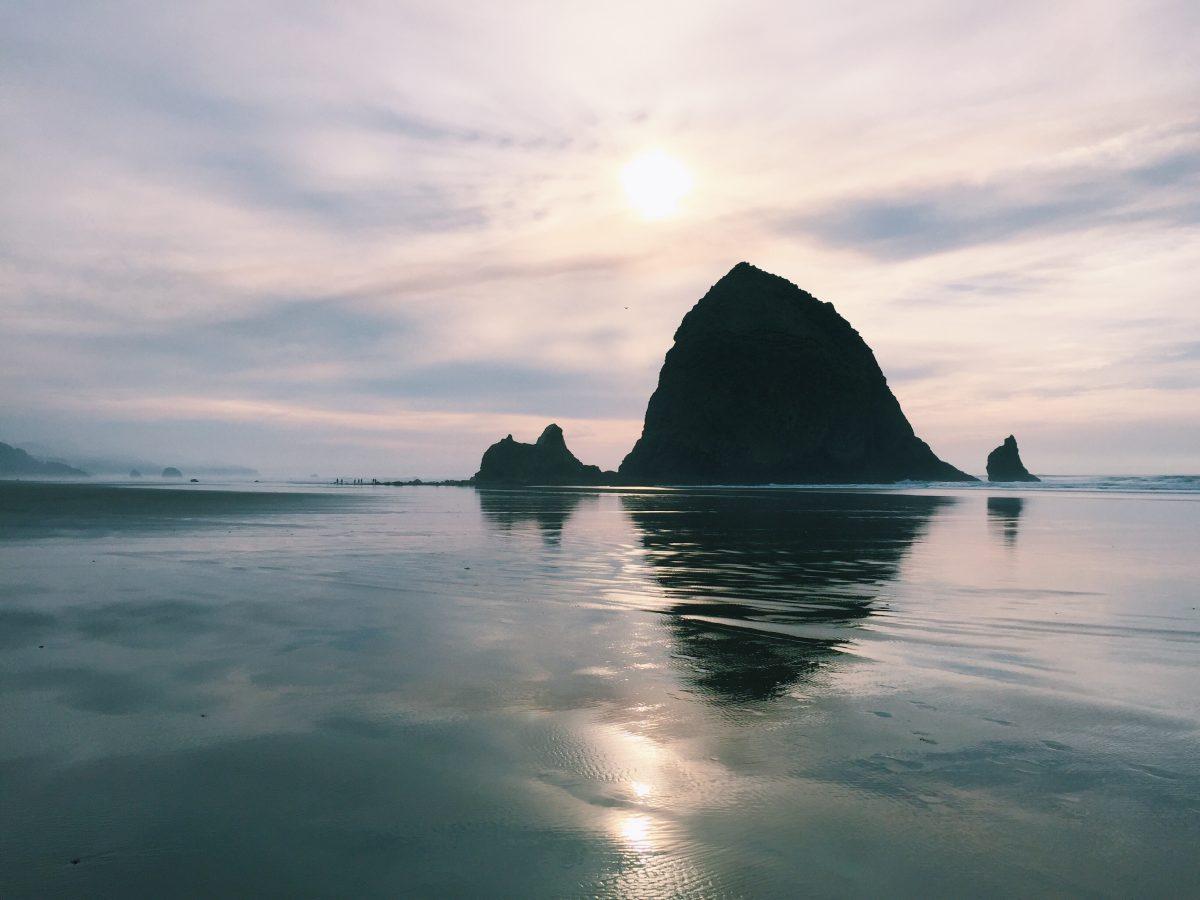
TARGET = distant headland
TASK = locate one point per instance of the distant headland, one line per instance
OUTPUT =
(15, 461)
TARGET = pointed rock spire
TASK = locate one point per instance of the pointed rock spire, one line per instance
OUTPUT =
(1004, 463)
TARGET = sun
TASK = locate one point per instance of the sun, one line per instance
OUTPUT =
(655, 182)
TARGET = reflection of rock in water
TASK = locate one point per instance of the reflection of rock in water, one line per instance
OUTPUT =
(547, 509)
(765, 584)
(1004, 515)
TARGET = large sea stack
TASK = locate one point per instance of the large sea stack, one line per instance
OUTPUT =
(1004, 463)
(767, 384)
(510, 462)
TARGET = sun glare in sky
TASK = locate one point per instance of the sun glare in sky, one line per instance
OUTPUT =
(655, 182)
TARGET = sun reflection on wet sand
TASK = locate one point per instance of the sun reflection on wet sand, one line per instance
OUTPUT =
(636, 830)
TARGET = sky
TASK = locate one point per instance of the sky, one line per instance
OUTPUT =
(372, 238)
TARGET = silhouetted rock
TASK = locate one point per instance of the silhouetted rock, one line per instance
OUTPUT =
(15, 461)
(134, 473)
(765, 383)
(1004, 463)
(171, 472)
(546, 462)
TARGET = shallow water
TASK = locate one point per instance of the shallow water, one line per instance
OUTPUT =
(437, 692)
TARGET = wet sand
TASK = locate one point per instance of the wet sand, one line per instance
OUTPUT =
(439, 691)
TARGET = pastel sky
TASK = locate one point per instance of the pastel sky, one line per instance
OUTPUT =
(371, 238)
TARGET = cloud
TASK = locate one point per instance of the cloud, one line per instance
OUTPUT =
(397, 229)
(510, 387)
(1014, 205)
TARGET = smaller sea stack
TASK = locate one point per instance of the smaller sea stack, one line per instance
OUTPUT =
(510, 462)
(1004, 463)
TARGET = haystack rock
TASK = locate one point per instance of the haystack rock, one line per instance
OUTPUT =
(171, 472)
(1004, 463)
(548, 461)
(767, 384)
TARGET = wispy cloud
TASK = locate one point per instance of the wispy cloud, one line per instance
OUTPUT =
(1154, 188)
(391, 229)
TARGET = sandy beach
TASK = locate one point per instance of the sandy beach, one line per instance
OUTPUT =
(274, 690)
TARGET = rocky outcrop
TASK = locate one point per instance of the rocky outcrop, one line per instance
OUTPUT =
(134, 473)
(510, 462)
(171, 472)
(15, 461)
(1004, 463)
(767, 384)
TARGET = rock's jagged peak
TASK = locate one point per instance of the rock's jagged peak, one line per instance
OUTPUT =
(551, 437)
(746, 274)
(745, 270)
(748, 300)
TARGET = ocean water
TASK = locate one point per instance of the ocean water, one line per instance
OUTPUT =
(273, 690)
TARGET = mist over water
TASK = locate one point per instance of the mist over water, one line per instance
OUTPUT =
(287, 691)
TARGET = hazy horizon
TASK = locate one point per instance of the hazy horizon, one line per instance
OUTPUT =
(302, 238)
